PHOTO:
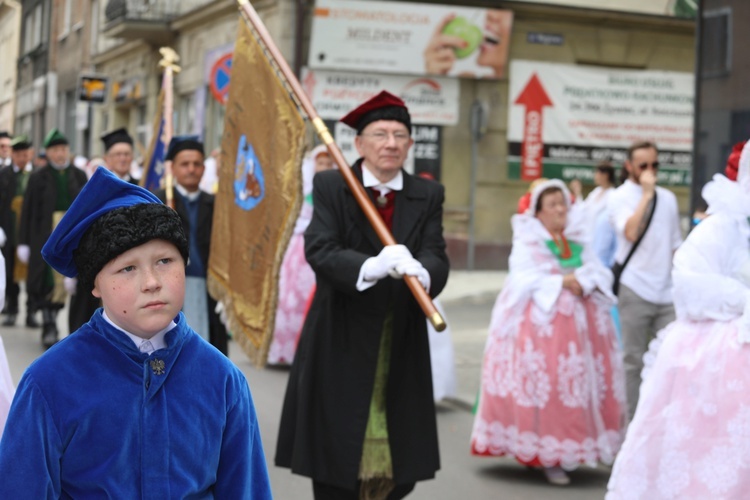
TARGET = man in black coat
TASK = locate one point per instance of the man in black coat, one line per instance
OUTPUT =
(13, 181)
(359, 414)
(196, 209)
(49, 193)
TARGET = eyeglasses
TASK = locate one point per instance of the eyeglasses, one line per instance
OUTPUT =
(644, 166)
(382, 136)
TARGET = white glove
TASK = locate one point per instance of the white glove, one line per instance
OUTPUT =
(3, 238)
(383, 264)
(413, 267)
(70, 285)
(23, 252)
(222, 312)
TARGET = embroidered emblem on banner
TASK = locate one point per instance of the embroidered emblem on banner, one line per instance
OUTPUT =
(157, 366)
(249, 183)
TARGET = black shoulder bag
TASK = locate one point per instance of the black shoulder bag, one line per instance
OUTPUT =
(618, 268)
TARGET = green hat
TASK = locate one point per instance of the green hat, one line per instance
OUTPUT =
(55, 138)
(21, 142)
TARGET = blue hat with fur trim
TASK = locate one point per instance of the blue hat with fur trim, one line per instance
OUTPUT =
(109, 217)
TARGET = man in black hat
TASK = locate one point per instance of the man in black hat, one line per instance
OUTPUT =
(49, 193)
(118, 153)
(359, 416)
(13, 181)
(196, 208)
(5, 141)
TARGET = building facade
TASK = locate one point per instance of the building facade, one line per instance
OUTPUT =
(10, 38)
(723, 104)
(36, 94)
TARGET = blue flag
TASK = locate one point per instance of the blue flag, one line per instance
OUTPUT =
(154, 171)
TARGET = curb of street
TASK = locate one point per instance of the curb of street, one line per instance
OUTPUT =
(479, 297)
(459, 404)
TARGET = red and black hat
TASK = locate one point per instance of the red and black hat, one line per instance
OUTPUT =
(733, 161)
(384, 106)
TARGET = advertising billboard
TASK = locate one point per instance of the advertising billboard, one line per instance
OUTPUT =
(410, 38)
(564, 119)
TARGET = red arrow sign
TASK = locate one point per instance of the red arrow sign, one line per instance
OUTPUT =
(534, 97)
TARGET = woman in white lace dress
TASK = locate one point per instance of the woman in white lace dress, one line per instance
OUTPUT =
(296, 277)
(690, 436)
(552, 381)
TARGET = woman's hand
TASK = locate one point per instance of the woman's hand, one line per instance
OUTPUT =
(571, 283)
(439, 55)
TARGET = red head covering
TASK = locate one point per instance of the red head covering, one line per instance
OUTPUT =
(733, 161)
(384, 106)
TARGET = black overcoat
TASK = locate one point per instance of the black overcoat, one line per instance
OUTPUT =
(327, 401)
(8, 218)
(36, 220)
(217, 331)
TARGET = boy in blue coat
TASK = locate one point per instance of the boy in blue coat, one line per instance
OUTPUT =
(134, 404)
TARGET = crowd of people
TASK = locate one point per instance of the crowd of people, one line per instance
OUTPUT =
(612, 341)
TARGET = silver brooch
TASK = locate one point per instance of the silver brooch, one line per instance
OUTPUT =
(157, 366)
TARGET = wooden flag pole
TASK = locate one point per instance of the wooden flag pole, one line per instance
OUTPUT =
(169, 63)
(424, 300)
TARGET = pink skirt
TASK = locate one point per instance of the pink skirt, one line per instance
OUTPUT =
(553, 390)
(690, 436)
(296, 282)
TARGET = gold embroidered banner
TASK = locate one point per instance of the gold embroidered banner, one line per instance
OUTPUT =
(259, 195)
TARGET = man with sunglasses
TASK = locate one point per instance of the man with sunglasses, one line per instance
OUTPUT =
(645, 296)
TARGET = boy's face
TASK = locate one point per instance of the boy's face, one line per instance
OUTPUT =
(143, 289)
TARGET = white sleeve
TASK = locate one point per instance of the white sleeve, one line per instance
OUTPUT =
(676, 230)
(707, 271)
(593, 276)
(619, 213)
(532, 277)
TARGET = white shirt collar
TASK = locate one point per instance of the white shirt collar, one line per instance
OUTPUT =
(157, 341)
(369, 180)
(184, 192)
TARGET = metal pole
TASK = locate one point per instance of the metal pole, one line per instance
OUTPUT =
(699, 171)
(476, 120)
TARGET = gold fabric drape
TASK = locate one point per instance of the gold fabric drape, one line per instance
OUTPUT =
(259, 195)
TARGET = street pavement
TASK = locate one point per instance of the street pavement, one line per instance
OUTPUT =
(468, 300)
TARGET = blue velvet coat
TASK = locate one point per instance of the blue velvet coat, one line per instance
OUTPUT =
(95, 418)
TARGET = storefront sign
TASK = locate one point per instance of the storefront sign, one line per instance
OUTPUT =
(545, 38)
(677, 8)
(410, 38)
(93, 89)
(128, 90)
(565, 119)
(430, 99)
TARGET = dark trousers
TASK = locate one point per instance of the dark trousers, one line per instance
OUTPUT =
(11, 296)
(322, 491)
